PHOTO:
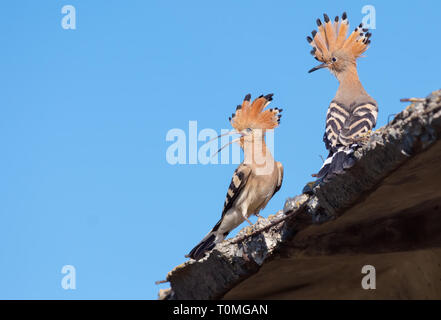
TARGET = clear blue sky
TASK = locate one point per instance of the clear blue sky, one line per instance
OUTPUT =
(84, 114)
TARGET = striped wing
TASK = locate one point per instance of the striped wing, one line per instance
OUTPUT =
(362, 119)
(336, 117)
(238, 181)
(345, 125)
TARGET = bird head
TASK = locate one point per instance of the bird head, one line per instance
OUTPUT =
(331, 47)
(251, 121)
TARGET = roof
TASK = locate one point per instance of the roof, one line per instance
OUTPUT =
(384, 211)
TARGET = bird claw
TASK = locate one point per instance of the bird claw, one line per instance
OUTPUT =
(248, 230)
(259, 216)
(364, 137)
(309, 187)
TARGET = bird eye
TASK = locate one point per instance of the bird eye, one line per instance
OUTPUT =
(249, 129)
(334, 59)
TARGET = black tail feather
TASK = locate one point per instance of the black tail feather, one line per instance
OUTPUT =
(337, 162)
(208, 243)
(205, 245)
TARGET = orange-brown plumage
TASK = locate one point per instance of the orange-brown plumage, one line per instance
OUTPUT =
(331, 38)
(330, 35)
(257, 178)
(322, 52)
(352, 114)
(342, 31)
(252, 115)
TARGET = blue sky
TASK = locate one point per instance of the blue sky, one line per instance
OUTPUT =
(84, 114)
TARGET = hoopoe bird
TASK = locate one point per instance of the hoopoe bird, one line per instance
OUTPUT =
(352, 113)
(257, 178)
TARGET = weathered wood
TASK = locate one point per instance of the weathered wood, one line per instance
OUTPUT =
(384, 211)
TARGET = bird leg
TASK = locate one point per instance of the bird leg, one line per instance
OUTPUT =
(413, 100)
(258, 216)
(295, 212)
(246, 218)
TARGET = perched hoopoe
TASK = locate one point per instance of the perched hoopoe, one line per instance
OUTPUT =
(352, 113)
(256, 179)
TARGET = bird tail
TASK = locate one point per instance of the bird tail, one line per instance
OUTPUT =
(207, 243)
(343, 158)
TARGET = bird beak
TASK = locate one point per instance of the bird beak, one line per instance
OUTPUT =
(231, 142)
(225, 134)
(320, 66)
(241, 133)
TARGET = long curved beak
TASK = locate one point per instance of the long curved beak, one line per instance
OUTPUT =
(320, 66)
(241, 133)
(231, 142)
(225, 134)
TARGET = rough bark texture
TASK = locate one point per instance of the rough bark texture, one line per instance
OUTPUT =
(385, 212)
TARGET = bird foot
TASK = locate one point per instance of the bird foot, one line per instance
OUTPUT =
(309, 187)
(248, 230)
(364, 137)
(259, 216)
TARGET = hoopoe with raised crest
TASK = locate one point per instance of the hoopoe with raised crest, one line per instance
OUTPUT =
(352, 113)
(257, 178)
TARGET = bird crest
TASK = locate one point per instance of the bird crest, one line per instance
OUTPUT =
(253, 116)
(332, 47)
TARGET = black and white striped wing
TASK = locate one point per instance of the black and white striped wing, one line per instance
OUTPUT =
(237, 185)
(336, 118)
(238, 182)
(362, 119)
(344, 128)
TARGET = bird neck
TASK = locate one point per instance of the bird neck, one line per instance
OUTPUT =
(257, 153)
(350, 84)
